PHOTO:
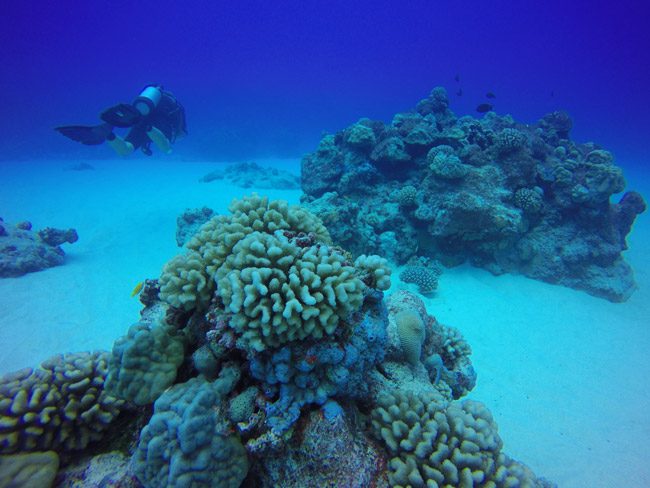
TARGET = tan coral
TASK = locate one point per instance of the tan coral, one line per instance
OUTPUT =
(438, 444)
(376, 269)
(187, 281)
(184, 282)
(62, 405)
(279, 292)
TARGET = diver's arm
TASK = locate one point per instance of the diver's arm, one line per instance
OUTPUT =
(120, 146)
(160, 140)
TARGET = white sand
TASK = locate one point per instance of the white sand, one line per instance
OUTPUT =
(565, 374)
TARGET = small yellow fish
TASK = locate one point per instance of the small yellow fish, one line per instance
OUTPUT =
(137, 289)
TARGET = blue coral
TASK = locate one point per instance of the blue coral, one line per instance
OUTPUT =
(303, 373)
(186, 443)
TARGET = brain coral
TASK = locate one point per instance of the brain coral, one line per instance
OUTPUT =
(61, 406)
(279, 292)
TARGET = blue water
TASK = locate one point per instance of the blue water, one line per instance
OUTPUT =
(264, 79)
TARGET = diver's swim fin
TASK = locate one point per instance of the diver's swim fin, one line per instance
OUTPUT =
(90, 135)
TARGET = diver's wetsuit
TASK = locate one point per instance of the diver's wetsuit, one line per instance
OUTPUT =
(168, 116)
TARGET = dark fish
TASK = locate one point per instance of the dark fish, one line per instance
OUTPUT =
(490, 95)
(459, 93)
(552, 93)
(457, 77)
(484, 107)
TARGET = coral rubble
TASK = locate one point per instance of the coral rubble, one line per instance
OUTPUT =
(502, 195)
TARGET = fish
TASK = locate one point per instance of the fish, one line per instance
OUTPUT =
(484, 107)
(490, 95)
(137, 289)
(459, 93)
(457, 77)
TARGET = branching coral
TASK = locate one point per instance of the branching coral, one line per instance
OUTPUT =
(184, 283)
(374, 271)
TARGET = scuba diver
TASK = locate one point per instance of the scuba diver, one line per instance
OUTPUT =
(154, 116)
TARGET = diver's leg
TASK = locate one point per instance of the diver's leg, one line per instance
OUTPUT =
(120, 146)
(160, 140)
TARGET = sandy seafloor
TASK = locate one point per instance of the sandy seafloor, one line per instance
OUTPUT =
(566, 375)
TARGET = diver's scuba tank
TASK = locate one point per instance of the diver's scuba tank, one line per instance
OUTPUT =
(148, 99)
(127, 115)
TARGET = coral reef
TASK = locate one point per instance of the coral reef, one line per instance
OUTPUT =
(306, 373)
(280, 292)
(28, 470)
(286, 367)
(106, 470)
(374, 271)
(24, 251)
(252, 175)
(502, 195)
(184, 283)
(144, 363)
(332, 450)
(438, 356)
(189, 280)
(434, 443)
(264, 293)
(185, 444)
(60, 406)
